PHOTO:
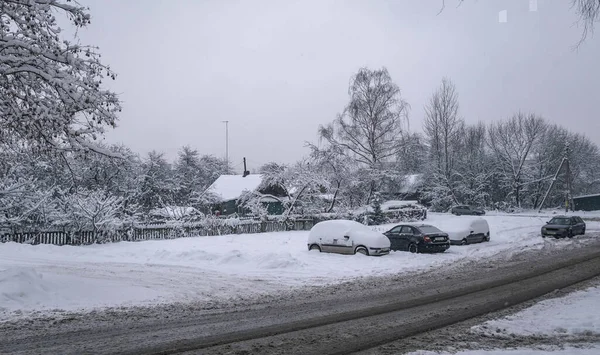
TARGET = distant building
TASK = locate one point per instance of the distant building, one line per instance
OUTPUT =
(229, 188)
(587, 203)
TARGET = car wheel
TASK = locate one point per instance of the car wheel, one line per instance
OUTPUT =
(314, 247)
(464, 242)
(583, 231)
(570, 234)
(413, 248)
(361, 250)
(557, 237)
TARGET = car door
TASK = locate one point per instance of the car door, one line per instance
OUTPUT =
(406, 235)
(342, 244)
(394, 237)
(579, 225)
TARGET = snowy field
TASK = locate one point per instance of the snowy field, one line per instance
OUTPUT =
(42, 278)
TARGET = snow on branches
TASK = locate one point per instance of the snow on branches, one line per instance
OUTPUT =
(50, 89)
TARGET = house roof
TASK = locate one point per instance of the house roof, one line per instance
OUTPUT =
(230, 187)
(586, 196)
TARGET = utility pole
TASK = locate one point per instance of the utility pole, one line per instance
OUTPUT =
(226, 142)
(568, 192)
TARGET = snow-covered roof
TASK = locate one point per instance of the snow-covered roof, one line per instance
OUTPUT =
(231, 187)
(585, 196)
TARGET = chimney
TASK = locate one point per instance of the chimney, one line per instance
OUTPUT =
(246, 172)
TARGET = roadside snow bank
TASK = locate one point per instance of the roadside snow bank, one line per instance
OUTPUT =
(27, 289)
(567, 350)
(22, 287)
(574, 314)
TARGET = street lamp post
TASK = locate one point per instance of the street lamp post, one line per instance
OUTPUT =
(226, 142)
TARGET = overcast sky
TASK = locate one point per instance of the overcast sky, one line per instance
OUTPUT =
(278, 69)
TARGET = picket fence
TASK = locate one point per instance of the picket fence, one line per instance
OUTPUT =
(153, 232)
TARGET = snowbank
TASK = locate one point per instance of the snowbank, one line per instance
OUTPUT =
(570, 315)
(24, 289)
(567, 350)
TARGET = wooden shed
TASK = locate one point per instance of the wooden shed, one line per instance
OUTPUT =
(587, 203)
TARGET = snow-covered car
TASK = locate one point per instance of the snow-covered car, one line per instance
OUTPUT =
(467, 230)
(347, 237)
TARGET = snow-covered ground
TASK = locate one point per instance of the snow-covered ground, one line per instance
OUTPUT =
(575, 314)
(568, 350)
(46, 277)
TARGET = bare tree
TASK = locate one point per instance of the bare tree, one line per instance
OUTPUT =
(443, 128)
(368, 129)
(473, 172)
(588, 12)
(512, 142)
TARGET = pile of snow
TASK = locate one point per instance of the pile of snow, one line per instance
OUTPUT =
(20, 287)
(570, 315)
(552, 350)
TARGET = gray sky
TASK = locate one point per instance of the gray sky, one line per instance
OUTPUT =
(278, 69)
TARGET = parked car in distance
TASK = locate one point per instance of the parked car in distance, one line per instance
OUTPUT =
(347, 237)
(418, 238)
(563, 227)
(467, 230)
(467, 210)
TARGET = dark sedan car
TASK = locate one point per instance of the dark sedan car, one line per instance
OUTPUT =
(467, 210)
(418, 238)
(563, 227)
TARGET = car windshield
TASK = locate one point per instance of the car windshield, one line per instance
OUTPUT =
(560, 221)
(429, 229)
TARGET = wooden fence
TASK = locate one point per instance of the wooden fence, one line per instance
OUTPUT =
(141, 233)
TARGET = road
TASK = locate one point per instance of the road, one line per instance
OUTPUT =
(339, 319)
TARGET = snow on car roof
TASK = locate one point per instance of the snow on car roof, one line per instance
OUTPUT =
(231, 187)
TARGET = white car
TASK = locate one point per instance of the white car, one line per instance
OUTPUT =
(465, 230)
(347, 237)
